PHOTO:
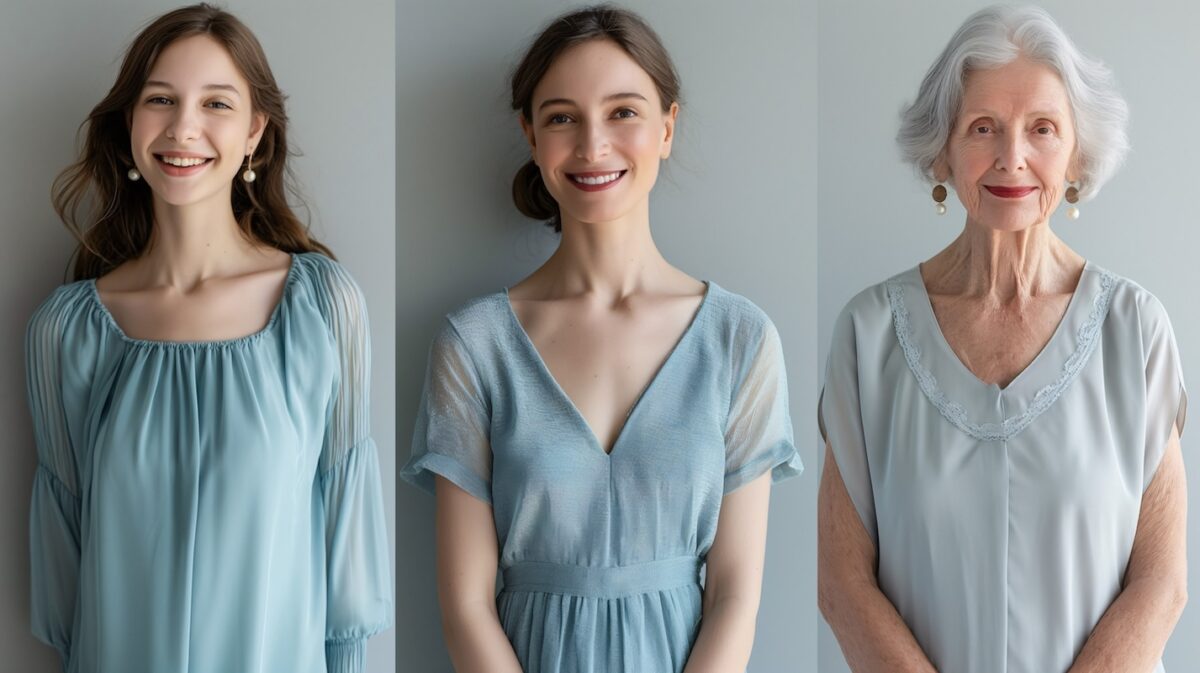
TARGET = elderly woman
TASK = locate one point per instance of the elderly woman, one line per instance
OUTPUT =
(1003, 487)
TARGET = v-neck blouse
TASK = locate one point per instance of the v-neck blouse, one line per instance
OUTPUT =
(600, 553)
(1003, 518)
(210, 506)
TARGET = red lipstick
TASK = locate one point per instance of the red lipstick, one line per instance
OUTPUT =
(1010, 192)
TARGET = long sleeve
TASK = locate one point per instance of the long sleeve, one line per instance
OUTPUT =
(54, 533)
(358, 583)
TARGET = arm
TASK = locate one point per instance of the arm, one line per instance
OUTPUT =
(873, 636)
(467, 554)
(1134, 630)
(733, 583)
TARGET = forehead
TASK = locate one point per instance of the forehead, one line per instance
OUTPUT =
(196, 60)
(1020, 86)
(593, 70)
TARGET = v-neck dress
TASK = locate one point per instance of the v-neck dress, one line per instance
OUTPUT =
(208, 507)
(601, 553)
(1003, 518)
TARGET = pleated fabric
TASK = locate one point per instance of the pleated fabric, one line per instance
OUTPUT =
(1003, 517)
(208, 507)
(601, 553)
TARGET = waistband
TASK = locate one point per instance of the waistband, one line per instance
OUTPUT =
(602, 581)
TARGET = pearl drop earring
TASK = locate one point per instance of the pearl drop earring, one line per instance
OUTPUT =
(939, 198)
(1072, 197)
(134, 175)
(249, 175)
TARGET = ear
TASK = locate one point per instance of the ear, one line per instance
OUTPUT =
(258, 126)
(1073, 168)
(669, 129)
(941, 168)
(527, 129)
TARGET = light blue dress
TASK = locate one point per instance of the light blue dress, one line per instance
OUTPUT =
(600, 553)
(1003, 518)
(210, 507)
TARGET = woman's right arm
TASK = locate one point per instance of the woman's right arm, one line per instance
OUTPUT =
(468, 554)
(873, 637)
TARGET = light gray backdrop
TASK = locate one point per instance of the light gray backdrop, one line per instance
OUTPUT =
(57, 60)
(735, 205)
(877, 219)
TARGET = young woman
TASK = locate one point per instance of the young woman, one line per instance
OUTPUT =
(604, 427)
(207, 495)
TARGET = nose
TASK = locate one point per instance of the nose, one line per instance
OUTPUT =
(185, 124)
(1011, 152)
(593, 143)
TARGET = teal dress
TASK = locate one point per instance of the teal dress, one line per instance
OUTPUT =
(207, 507)
(601, 553)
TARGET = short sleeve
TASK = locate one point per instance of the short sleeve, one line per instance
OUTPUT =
(1166, 397)
(758, 434)
(54, 519)
(839, 416)
(358, 579)
(452, 437)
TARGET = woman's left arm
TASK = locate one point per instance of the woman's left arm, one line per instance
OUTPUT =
(733, 581)
(1133, 631)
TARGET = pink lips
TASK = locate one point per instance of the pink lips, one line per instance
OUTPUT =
(593, 175)
(1010, 192)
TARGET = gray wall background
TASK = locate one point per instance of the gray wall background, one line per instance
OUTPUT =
(735, 204)
(57, 60)
(877, 219)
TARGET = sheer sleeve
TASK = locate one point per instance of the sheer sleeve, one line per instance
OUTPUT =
(839, 416)
(1166, 397)
(54, 533)
(358, 583)
(758, 434)
(452, 438)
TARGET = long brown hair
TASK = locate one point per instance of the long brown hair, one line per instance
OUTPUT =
(623, 28)
(118, 213)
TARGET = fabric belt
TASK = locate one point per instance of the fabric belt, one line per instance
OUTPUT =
(602, 581)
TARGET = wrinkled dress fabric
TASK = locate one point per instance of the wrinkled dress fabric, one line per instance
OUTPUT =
(600, 553)
(208, 507)
(1003, 518)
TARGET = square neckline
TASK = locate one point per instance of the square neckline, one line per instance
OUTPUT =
(557, 389)
(111, 321)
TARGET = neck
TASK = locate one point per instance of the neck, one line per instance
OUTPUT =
(610, 259)
(1004, 266)
(190, 244)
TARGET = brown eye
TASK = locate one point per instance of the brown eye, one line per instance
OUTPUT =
(625, 113)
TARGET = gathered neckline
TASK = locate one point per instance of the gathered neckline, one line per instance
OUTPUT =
(111, 321)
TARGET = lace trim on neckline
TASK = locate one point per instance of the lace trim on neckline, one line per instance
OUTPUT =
(1085, 343)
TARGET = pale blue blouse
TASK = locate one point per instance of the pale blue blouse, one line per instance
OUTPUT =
(1003, 518)
(208, 507)
(600, 554)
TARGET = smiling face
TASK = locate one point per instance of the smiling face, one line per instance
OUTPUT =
(598, 132)
(1011, 151)
(193, 124)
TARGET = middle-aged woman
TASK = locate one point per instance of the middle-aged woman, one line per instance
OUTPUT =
(1004, 490)
(606, 426)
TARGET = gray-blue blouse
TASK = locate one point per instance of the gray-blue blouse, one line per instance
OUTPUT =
(208, 507)
(600, 553)
(1003, 517)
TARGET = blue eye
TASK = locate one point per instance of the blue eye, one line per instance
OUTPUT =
(559, 118)
(159, 100)
(222, 105)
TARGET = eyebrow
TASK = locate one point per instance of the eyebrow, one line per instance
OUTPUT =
(1046, 112)
(208, 87)
(610, 97)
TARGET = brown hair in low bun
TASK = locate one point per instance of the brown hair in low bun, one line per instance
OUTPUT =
(623, 28)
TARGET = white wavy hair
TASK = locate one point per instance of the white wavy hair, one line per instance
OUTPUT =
(993, 37)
